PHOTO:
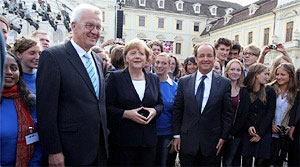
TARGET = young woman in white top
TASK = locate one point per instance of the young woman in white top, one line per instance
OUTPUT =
(286, 91)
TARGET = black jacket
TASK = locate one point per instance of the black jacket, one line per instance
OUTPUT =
(121, 95)
(261, 115)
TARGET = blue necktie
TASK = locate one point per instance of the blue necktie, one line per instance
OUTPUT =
(200, 92)
(91, 71)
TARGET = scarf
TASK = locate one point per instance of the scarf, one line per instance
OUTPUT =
(24, 152)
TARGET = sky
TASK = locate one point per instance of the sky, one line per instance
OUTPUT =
(242, 2)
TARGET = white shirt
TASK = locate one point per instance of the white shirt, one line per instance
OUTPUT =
(81, 52)
(223, 70)
(170, 81)
(207, 82)
(281, 106)
(140, 87)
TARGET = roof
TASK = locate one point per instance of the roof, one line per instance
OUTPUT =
(217, 3)
(188, 9)
(265, 6)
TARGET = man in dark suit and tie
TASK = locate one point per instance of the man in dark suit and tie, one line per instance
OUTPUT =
(71, 96)
(202, 114)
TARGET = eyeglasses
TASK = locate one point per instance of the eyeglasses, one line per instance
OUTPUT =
(250, 54)
(92, 26)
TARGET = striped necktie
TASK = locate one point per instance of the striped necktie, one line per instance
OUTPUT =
(91, 71)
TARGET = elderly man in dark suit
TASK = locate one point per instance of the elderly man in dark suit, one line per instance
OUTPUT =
(71, 96)
(202, 114)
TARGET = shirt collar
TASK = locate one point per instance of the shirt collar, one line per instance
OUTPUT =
(199, 75)
(279, 92)
(78, 49)
(169, 80)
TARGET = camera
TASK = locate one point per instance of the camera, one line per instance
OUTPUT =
(282, 131)
(273, 46)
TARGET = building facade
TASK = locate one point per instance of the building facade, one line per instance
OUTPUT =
(182, 23)
(262, 23)
(176, 22)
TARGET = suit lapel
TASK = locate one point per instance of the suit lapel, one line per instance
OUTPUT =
(191, 90)
(75, 60)
(214, 87)
(130, 84)
(147, 87)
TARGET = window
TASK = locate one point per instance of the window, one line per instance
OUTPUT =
(178, 48)
(103, 16)
(161, 23)
(227, 18)
(266, 36)
(236, 38)
(252, 9)
(196, 26)
(197, 9)
(250, 37)
(213, 11)
(142, 21)
(161, 3)
(178, 25)
(180, 6)
(289, 31)
(228, 10)
(142, 2)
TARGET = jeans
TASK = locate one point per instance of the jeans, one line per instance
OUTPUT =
(162, 151)
(230, 151)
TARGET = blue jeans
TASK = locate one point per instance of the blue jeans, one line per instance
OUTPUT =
(162, 151)
(230, 151)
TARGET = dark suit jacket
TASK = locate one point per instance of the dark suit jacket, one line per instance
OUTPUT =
(121, 95)
(202, 130)
(240, 122)
(71, 118)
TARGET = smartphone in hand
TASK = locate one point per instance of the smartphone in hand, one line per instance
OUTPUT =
(144, 112)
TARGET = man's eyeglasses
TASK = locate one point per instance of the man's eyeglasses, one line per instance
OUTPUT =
(92, 26)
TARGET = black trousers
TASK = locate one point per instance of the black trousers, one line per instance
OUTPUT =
(199, 160)
(132, 156)
(279, 150)
(294, 153)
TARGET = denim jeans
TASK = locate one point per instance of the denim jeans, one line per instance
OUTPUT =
(230, 150)
(162, 151)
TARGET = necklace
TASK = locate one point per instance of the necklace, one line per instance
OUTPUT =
(139, 78)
